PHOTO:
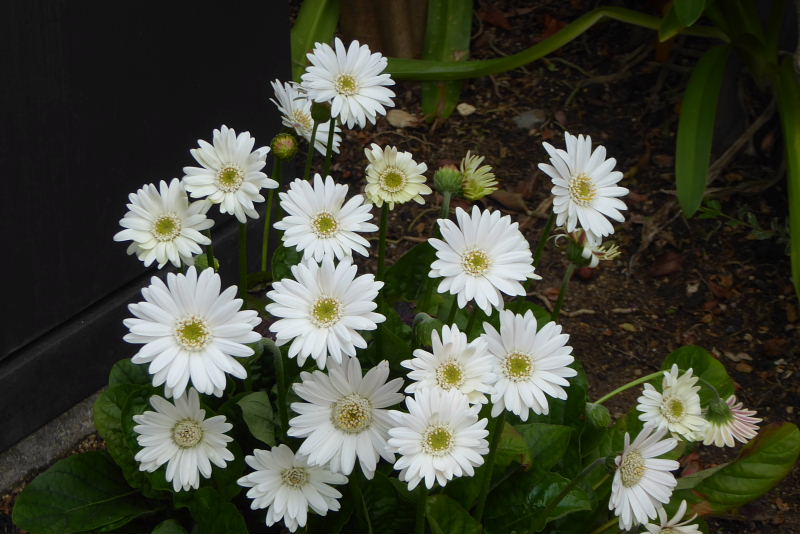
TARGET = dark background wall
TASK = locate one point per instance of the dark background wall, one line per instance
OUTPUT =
(96, 99)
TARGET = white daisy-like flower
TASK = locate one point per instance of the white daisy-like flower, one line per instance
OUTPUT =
(584, 186)
(230, 174)
(481, 257)
(728, 422)
(394, 177)
(455, 363)
(163, 226)
(345, 417)
(439, 438)
(180, 436)
(676, 407)
(296, 111)
(320, 223)
(642, 480)
(529, 365)
(322, 309)
(351, 79)
(191, 332)
(288, 486)
(674, 525)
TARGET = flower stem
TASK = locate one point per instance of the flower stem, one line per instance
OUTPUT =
(473, 318)
(277, 175)
(496, 432)
(382, 240)
(451, 314)
(311, 148)
(548, 227)
(563, 292)
(329, 147)
(447, 196)
(606, 526)
(422, 500)
(210, 250)
(242, 260)
(283, 409)
(551, 506)
(629, 385)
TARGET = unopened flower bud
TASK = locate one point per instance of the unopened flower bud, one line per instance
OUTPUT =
(201, 262)
(598, 415)
(321, 111)
(284, 146)
(447, 179)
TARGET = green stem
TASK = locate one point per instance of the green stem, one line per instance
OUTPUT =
(210, 250)
(548, 227)
(496, 432)
(358, 495)
(605, 526)
(422, 499)
(311, 149)
(283, 402)
(563, 292)
(451, 314)
(447, 196)
(551, 506)
(242, 260)
(473, 318)
(382, 239)
(277, 175)
(629, 385)
(329, 146)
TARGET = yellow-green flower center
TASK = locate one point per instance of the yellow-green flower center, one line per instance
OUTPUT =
(187, 433)
(518, 367)
(229, 178)
(324, 225)
(295, 477)
(450, 375)
(346, 85)
(326, 312)
(192, 333)
(673, 410)
(392, 180)
(438, 440)
(302, 121)
(632, 468)
(352, 413)
(582, 190)
(476, 262)
(167, 227)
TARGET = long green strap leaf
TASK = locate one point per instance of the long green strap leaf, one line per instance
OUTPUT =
(696, 128)
(315, 23)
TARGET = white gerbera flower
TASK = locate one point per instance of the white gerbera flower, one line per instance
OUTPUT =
(676, 408)
(287, 486)
(345, 416)
(163, 226)
(394, 177)
(642, 480)
(180, 436)
(319, 223)
(454, 364)
(322, 309)
(230, 174)
(439, 438)
(351, 79)
(482, 257)
(728, 422)
(674, 525)
(529, 365)
(296, 111)
(191, 331)
(584, 186)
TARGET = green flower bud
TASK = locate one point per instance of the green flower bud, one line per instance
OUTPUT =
(598, 415)
(284, 146)
(448, 179)
(321, 111)
(575, 254)
(201, 262)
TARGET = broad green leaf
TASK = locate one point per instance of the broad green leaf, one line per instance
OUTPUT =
(213, 515)
(82, 492)
(424, 325)
(258, 415)
(670, 26)
(513, 447)
(688, 11)
(169, 526)
(316, 22)
(706, 367)
(446, 516)
(408, 275)
(696, 128)
(283, 260)
(127, 372)
(788, 88)
(546, 443)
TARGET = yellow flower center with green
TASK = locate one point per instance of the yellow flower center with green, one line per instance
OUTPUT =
(324, 225)
(326, 312)
(449, 375)
(392, 180)
(476, 262)
(295, 477)
(438, 440)
(230, 178)
(582, 190)
(192, 333)
(346, 85)
(352, 413)
(518, 366)
(167, 227)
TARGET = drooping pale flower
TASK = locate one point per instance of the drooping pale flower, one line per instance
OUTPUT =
(594, 249)
(322, 309)
(529, 365)
(676, 408)
(191, 332)
(478, 181)
(728, 422)
(642, 480)
(351, 79)
(674, 525)
(180, 436)
(230, 173)
(295, 109)
(480, 258)
(163, 226)
(439, 438)
(287, 486)
(320, 223)
(345, 417)
(394, 177)
(455, 363)
(584, 186)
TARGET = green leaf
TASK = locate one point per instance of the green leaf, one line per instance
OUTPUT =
(704, 365)
(407, 276)
(316, 22)
(696, 127)
(212, 514)
(446, 516)
(83, 492)
(513, 447)
(379, 498)
(670, 26)
(127, 372)
(283, 260)
(424, 325)
(258, 415)
(688, 11)
(546, 443)
(169, 526)
(201, 262)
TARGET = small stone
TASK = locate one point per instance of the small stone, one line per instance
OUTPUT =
(528, 119)
(465, 109)
(744, 367)
(628, 327)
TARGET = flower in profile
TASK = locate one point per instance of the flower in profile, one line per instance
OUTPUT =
(584, 186)
(439, 438)
(295, 109)
(480, 258)
(345, 417)
(191, 332)
(319, 223)
(180, 436)
(163, 226)
(322, 309)
(394, 177)
(592, 248)
(674, 525)
(676, 408)
(455, 363)
(728, 422)
(478, 181)
(642, 480)
(230, 173)
(287, 486)
(529, 365)
(351, 79)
